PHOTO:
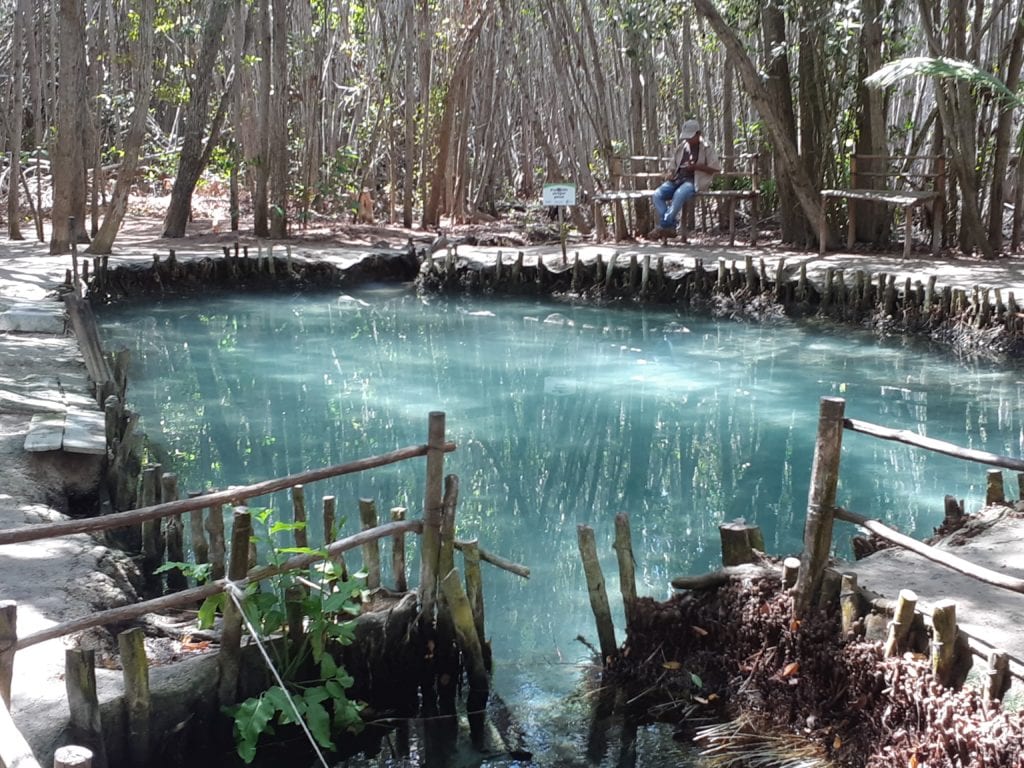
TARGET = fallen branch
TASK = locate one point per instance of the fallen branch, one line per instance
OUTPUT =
(724, 575)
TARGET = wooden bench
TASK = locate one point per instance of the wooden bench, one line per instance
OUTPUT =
(635, 177)
(901, 180)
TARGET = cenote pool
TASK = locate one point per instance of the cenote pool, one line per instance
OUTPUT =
(562, 415)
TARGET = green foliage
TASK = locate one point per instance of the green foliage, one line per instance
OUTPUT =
(941, 67)
(315, 685)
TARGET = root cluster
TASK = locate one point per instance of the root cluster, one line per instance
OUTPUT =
(736, 652)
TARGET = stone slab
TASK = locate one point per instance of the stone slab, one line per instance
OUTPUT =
(34, 318)
(41, 401)
(85, 432)
(45, 432)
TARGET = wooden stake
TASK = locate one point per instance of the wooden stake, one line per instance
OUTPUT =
(8, 645)
(739, 540)
(229, 658)
(152, 539)
(85, 724)
(596, 590)
(176, 580)
(71, 757)
(475, 590)
(371, 550)
(944, 632)
(820, 503)
(398, 553)
(465, 631)
(299, 515)
(849, 603)
(994, 488)
(998, 675)
(135, 666)
(215, 527)
(627, 566)
(197, 533)
(330, 509)
(899, 627)
(430, 541)
(790, 570)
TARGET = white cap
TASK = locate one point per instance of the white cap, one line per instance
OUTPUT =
(690, 127)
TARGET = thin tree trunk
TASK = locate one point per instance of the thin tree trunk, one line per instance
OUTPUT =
(143, 70)
(196, 114)
(278, 119)
(773, 113)
(17, 113)
(872, 223)
(68, 166)
(1004, 126)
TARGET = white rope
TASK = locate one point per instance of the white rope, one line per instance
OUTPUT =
(236, 594)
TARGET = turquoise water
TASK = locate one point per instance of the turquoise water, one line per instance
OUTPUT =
(562, 415)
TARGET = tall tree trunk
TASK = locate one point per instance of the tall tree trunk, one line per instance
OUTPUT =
(452, 102)
(1004, 126)
(278, 144)
(957, 112)
(779, 89)
(68, 166)
(17, 124)
(873, 225)
(197, 111)
(143, 88)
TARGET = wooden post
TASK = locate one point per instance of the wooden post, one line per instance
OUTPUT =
(475, 590)
(596, 590)
(821, 499)
(229, 658)
(176, 580)
(152, 539)
(739, 540)
(465, 630)
(293, 597)
(80, 681)
(849, 604)
(953, 512)
(430, 540)
(330, 534)
(8, 645)
(330, 510)
(790, 570)
(944, 632)
(197, 533)
(998, 675)
(902, 618)
(398, 553)
(135, 666)
(71, 757)
(627, 566)
(994, 488)
(215, 527)
(371, 550)
(299, 515)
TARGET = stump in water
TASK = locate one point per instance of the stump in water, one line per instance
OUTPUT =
(739, 540)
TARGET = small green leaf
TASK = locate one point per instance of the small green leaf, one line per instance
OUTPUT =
(695, 679)
(280, 526)
(208, 610)
(319, 723)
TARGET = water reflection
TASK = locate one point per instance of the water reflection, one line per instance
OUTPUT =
(563, 415)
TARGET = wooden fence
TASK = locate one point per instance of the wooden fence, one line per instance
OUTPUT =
(437, 537)
(822, 510)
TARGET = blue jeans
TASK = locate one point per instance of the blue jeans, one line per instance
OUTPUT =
(678, 195)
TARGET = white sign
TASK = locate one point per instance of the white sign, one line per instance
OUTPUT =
(559, 194)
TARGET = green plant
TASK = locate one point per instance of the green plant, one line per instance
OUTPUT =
(312, 685)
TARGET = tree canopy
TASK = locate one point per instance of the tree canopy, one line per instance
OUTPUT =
(457, 109)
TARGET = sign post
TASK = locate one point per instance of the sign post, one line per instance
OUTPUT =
(560, 195)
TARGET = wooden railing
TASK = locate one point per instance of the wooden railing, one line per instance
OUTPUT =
(823, 510)
(439, 502)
